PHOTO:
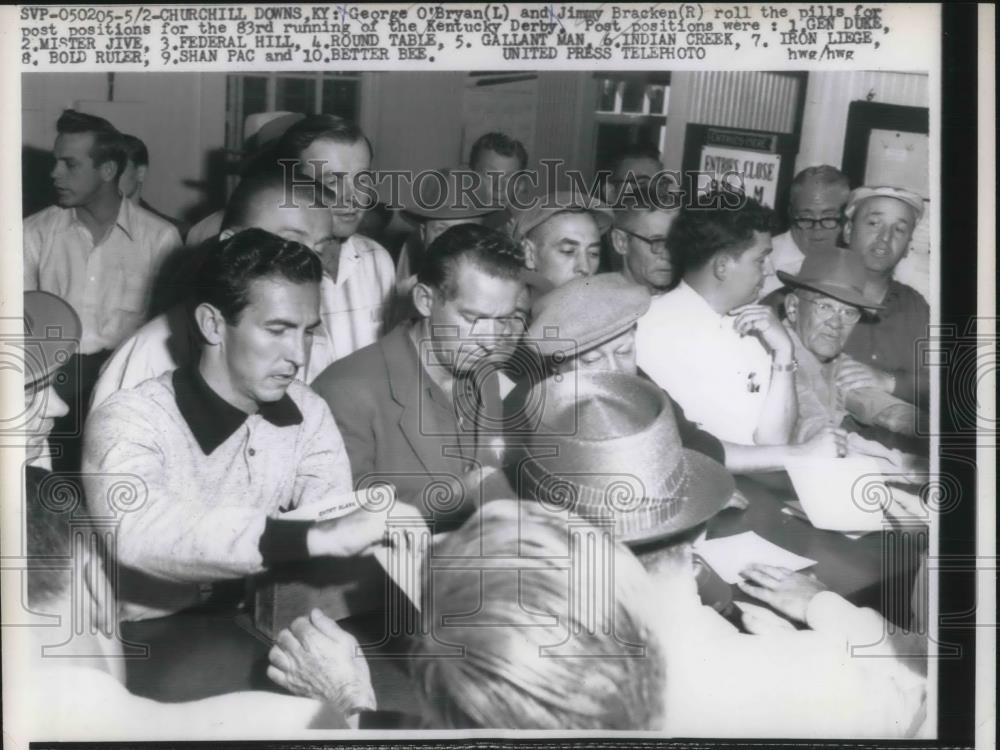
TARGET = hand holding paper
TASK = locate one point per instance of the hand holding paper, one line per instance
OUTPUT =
(844, 494)
(730, 555)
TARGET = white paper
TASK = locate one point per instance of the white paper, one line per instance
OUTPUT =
(729, 555)
(335, 506)
(840, 494)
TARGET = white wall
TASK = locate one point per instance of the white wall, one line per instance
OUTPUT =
(828, 96)
(180, 116)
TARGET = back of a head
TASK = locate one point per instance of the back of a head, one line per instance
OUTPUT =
(723, 220)
(533, 657)
(231, 265)
(636, 151)
(108, 142)
(315, 128)
(498, 143)
(47, 521)
(266, 182)
(823, 176)
(490, 251)
(135, 150)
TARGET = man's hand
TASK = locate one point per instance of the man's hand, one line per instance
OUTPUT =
(761, 320)
(358, 533)
(830, 442)
(316, 658)
(762, 621)
(785, 590)
(737, 500)
(852, 374)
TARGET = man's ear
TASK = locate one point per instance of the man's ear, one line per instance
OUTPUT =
(423, 299)
(528, 250)
(619, 241)
(847, 232)
(792, 307)
(140, 173)
(720, 265)
(210, 322)
(422, 233)
(109, 172)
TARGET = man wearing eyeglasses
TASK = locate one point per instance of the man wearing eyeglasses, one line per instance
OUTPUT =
(815, 209)
(826, 301)
(640, 238)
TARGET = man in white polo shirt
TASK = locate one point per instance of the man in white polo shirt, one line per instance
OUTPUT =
(727, 361)
(218, 449)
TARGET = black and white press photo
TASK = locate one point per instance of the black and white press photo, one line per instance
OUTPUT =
(509, 370)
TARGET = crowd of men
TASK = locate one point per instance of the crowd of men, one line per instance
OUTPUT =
(293, 361)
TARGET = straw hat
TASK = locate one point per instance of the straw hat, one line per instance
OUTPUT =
(607, 448)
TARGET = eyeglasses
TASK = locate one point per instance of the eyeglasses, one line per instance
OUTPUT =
(825, 311)
(657, 244)
(827, 222)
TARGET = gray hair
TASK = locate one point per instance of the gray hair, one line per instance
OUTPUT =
(533, 658)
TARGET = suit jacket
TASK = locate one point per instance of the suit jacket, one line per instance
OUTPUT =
(401, 429)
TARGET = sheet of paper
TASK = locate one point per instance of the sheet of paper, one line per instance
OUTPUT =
(840, 494)
(334, 506)
(729, 555)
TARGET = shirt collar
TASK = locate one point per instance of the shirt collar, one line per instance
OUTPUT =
(212, 419)
(694, 303)
(124, 221)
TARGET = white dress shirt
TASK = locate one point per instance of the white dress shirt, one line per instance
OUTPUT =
(719, 377)
(109, 282)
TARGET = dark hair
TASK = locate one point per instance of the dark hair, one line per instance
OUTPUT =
(723, 221)
(135, 150)
(108, 142)
(315, 128)
(267, 177)
(636, 151)
(225, 275)
(498, 143)
(492, 252)
(47, 525)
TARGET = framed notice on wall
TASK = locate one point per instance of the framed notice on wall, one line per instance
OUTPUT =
(758, 162)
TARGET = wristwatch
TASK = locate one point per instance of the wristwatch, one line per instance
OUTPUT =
(790, 367)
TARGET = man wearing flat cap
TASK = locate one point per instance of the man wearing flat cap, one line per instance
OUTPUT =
(52, 332)
(589, 325)
(824, 305)
(560, 235)
(882, 349)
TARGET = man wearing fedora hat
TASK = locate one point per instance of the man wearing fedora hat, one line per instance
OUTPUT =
(826, 301)
(882, 349)
(560, 234)
(51, 335)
